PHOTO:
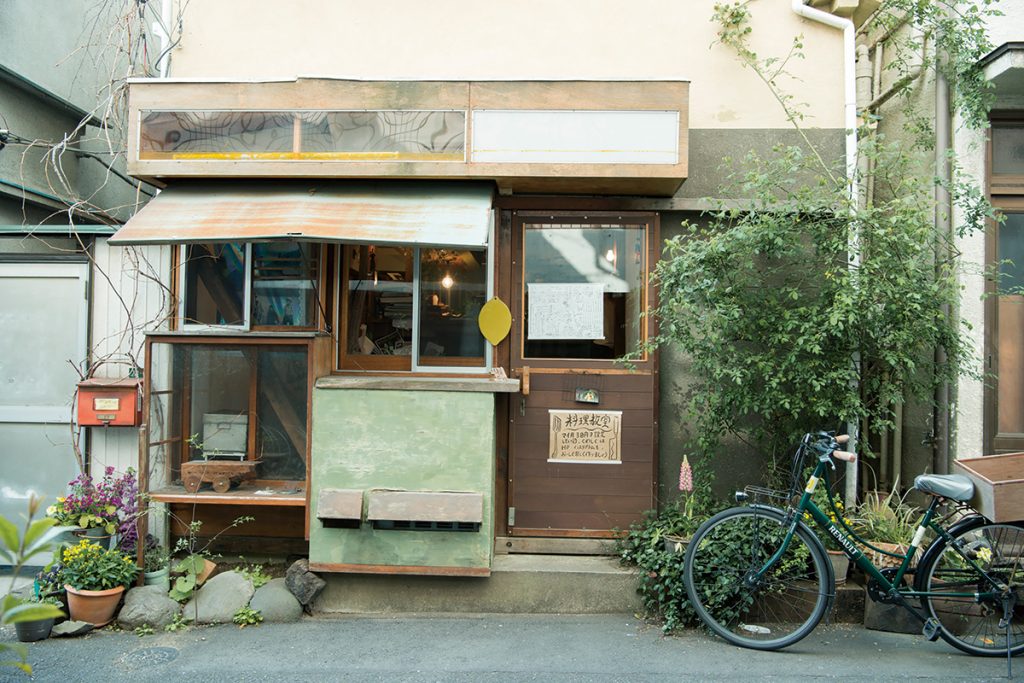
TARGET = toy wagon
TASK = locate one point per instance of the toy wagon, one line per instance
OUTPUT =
(222, 474)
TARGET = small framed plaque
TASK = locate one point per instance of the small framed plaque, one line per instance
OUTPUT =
(593, 436)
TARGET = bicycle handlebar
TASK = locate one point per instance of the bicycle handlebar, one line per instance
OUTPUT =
(845, 456)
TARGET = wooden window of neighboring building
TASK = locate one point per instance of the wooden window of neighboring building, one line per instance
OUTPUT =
(1004, 308)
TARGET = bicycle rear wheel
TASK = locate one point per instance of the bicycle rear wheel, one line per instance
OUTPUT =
(774, 611)
(968, 621)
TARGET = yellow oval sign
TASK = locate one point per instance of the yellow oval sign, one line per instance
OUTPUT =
(495, 321)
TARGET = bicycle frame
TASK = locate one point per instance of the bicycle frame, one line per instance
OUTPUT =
(856, 555)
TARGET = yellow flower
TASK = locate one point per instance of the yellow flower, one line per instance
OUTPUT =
(984, 554)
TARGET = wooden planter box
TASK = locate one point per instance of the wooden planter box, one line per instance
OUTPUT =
(998, 485)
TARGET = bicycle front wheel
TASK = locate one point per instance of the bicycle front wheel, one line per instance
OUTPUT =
(969, 606)
(766, 613)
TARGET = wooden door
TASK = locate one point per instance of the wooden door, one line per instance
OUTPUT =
(1004, 409)
(583, 430)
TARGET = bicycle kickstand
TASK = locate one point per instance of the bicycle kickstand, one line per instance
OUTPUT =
(1004, 623)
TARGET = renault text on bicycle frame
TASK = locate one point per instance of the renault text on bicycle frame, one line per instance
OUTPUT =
(852, 550)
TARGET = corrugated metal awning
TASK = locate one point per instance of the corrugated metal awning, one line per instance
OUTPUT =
(426, 213)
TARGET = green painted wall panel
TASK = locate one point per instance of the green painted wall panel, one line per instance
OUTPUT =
(402, 440)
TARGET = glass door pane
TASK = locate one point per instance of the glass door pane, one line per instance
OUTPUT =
(583, 290)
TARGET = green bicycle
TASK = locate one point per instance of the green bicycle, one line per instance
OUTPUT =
(760, 578)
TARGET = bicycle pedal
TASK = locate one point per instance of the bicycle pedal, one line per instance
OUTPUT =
(931, 629)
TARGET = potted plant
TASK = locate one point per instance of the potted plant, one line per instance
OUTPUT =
(100, 509)
(95, 578)
(156, 568)
(37, 629)
(887, 522)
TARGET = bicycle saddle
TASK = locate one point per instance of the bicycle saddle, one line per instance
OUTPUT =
(952, 486)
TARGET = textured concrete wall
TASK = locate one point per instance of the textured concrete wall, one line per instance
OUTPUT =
(404, 440)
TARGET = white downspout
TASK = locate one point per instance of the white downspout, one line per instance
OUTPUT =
(853, 181)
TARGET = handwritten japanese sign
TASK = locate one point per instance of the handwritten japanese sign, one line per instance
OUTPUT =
(585, 436)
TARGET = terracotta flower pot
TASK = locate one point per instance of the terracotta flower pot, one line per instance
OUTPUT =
(883, 561)
(840, 565)
(93, 607)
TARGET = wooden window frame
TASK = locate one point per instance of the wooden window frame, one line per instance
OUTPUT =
(521, 218)
(179, 272)
(1003, 185)
(413, 363)
(1005, 193)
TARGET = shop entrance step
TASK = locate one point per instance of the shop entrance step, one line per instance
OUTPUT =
(519, 583)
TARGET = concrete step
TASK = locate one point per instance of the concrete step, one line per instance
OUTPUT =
(518, 584)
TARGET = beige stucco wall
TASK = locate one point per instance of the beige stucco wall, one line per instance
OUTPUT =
(528, 39)
(969, 410)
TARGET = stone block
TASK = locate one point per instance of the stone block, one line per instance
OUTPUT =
(276, 603)
(218, 600)
(147, 605)
(303, 584)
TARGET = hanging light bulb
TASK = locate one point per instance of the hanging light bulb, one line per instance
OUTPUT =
(447, 281)
(610, 256)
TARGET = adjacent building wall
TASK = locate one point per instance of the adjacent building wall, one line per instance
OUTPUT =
(970, 148)
(63, 60)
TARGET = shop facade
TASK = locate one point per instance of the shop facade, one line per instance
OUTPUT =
(402, 370)
(400, 304)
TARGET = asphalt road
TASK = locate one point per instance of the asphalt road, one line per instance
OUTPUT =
(489, 648)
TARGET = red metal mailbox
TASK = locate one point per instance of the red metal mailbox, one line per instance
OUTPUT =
(106, 402)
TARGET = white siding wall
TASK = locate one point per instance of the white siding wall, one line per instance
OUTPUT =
(130, 296)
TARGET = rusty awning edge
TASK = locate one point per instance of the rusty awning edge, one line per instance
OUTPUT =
(443, 214)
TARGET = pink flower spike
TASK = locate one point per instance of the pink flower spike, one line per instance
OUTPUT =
(685, 476)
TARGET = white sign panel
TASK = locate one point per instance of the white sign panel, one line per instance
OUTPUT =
(575, 137)
(565, 311)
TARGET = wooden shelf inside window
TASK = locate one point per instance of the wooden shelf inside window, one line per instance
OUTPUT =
(244, 494)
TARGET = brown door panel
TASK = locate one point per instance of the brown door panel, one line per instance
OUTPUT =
(578, 498)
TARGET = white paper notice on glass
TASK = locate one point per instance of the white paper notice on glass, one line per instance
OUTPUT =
(565, 311)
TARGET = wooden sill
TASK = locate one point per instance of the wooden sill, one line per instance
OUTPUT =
(245, 494)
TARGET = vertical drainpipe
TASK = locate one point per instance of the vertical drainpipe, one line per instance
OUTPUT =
(944, 230)
(852, 180)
